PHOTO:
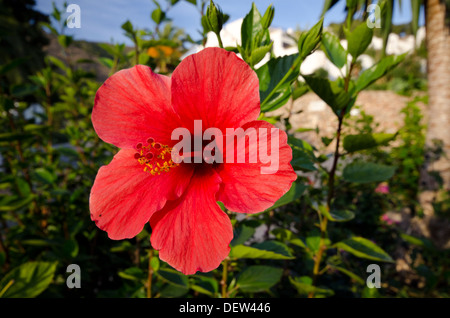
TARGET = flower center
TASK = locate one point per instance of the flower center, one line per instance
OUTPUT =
(155, 157)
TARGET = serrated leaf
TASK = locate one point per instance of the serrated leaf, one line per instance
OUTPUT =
(258, 278)
(363, 248)
(365, 172)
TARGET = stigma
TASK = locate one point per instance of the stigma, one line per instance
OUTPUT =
(154, 157)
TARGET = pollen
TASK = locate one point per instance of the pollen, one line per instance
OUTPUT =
(154, 157)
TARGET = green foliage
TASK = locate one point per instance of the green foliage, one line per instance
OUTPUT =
(28, 280)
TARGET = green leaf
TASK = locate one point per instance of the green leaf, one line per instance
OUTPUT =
(56, 61)
(65, 40)
(258, 278)
(28, 280)
(336, 215)
(270, 76)
(285, 235)
(15, 136)
(24, 187)
(5, 68)
(358, 39)
(334, 50)
(106, 61)
(154, 263)
(302, 154)
(274, 250)
(415, 8)
(274, 246)
(364, 172)
(350, 274)
(309, 40)
(259, 53)
(17, 204)
(418, 241)
(330, 92)
(21, 90)
(173, 277)
(44, 176)
(205, 285)
(293, 194)
(242, 234)
(128, 27)
(354, 143)
(299, 91)
(132, 273)
(252, 32)
(267, 19)
(363, 248)
(304, 287)
(377, 71)
(178, 284)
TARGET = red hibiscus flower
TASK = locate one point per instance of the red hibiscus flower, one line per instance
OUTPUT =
(137, 111)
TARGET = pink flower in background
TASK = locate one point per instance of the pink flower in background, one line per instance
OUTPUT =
(382, 188)
(386, 218)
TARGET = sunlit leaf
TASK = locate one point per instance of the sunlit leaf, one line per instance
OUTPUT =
(364, 248)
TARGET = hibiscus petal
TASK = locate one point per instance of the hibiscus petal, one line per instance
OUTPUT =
(192, 233)
(124, 197)
(217, 87)
(133, 105)
(252, 187)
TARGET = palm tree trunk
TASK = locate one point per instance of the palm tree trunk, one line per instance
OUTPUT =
(438, 69)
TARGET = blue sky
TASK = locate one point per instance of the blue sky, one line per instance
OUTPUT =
(101, 19)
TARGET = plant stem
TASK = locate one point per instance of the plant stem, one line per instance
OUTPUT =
(324, 220)
(223, 282)
(220, 40)
(150, 274)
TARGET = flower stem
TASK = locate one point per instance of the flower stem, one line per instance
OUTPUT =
(220, 40)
